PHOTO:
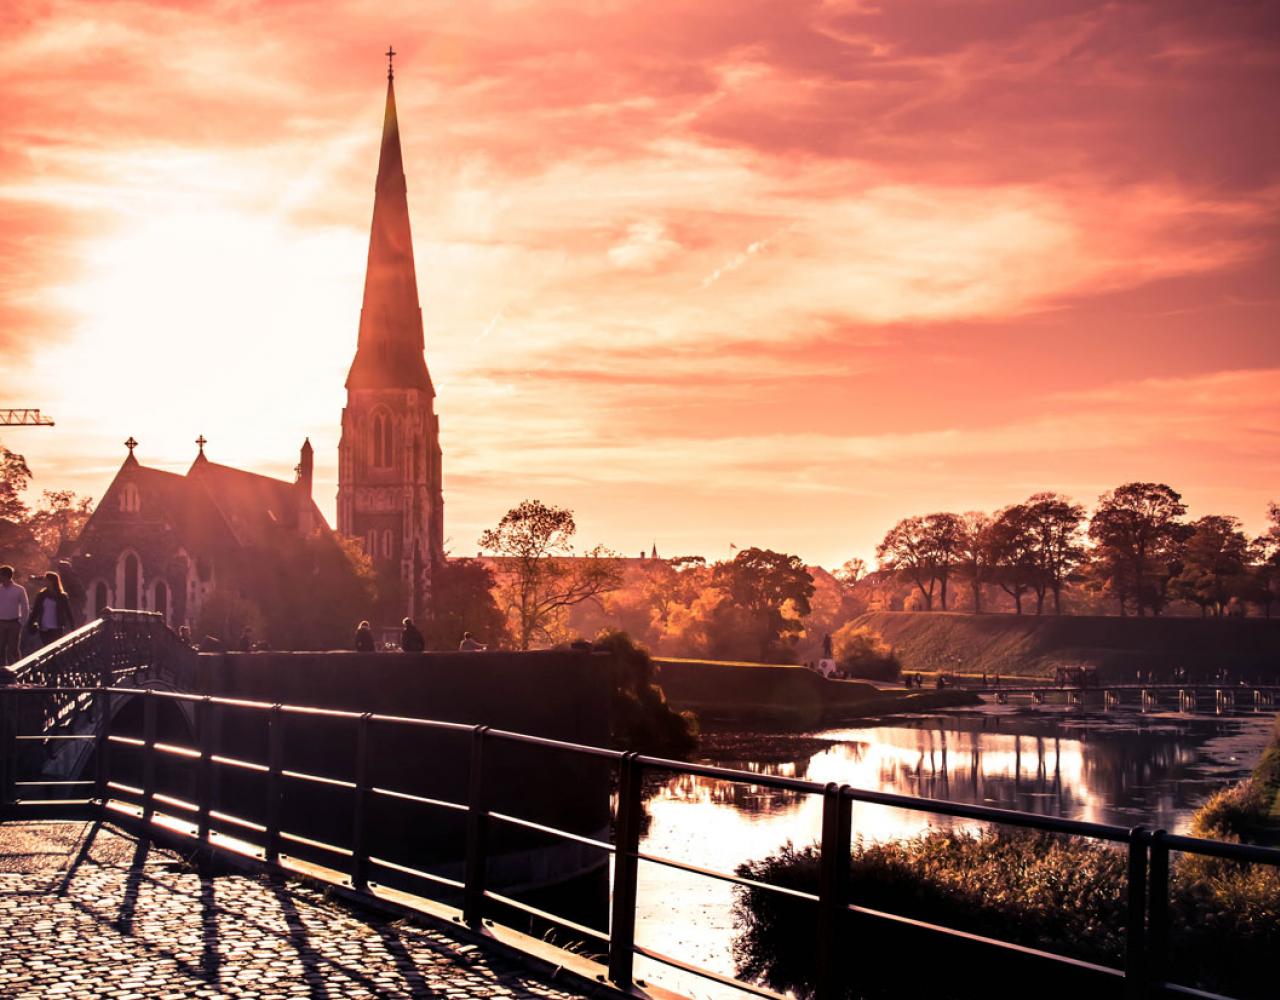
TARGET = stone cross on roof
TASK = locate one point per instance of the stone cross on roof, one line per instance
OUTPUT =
(201, 441)
(391, 54)
(131, 444)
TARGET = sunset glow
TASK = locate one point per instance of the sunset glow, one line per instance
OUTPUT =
(757, 273)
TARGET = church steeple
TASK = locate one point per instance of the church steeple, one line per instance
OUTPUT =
(389, 351)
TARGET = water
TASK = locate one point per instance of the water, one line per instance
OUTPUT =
(1117, 767)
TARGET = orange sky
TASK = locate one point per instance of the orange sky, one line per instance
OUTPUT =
(710, 273)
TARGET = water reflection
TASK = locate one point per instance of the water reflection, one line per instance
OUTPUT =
(1124, 769)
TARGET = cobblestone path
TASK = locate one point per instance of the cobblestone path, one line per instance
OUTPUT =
(87, 910)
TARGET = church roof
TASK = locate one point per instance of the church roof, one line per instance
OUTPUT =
(253, 507)
(389, 351)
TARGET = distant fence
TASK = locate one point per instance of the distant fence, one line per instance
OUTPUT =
(1147, 882)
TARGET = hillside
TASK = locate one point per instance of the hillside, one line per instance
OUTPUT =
(1118, 647)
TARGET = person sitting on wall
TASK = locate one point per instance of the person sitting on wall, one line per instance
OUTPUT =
(364, 638)
(411, 640)
(469, 645)
(51, 613)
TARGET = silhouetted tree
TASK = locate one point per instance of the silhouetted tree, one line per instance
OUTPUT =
(852, 571)
(1215, 563)
(1139, 533)
(462, 601)
(945, 535)
(1054, 523)
(907, 551)
(1012, 552)
(774, 589)
(59, 519)
(538, 575)
(974, 555)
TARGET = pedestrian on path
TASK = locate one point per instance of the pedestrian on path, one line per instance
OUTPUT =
(51, 613)
(364, 638)
(13, 614)
(411, 640)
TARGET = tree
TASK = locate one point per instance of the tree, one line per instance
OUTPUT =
(852, 571)
(538, 575)
(1264, 558)
(944, 533)
(973, 553)
(907, 551)
(59, 519)
(1139, 533)
(1054, 523)
(774, 589)
(1214, 566)
(462, 601)
(1012, 552)
(14, 477)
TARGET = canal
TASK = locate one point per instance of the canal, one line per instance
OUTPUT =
(1121, 767)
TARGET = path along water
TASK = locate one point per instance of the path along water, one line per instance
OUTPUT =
(1119, 767)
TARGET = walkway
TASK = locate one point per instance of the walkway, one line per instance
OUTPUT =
(88, 910)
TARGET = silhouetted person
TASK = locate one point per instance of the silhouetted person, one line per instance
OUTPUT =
(468, 644)
(71, 584)
(827, 653)
(246, 640)
(51, 613)
(411, 640)
(364, 638)
(184, 635)
(14, 610)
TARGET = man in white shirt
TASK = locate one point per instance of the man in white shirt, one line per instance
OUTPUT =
(13, 615)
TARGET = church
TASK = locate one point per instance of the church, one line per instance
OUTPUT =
(179, 544)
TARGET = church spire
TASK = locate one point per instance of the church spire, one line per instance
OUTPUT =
(389, 352)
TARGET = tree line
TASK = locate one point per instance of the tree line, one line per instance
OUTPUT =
(1138, 550)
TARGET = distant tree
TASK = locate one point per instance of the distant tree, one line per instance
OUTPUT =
(1012, 543)
(462, 601)
(1054, 523)
(1139, 534)
(1263, 588)
(852, 571)
(59, 519)
(974, 555)
(774, 589)
(539, 577)
(944, 533)
(1215, 564)
(14, 477)
(908, 551)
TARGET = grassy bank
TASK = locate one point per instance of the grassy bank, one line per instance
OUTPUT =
(1035, 646)
(1060, 894)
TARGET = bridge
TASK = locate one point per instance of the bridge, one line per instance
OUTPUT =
(1187, 696)
(85, 735)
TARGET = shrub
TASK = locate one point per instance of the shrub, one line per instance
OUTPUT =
(860, 652)
(642, 719)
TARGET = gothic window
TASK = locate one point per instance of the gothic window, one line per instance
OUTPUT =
(386, 543)
(130, 501)
(130, 584)
(380, 440)
(160, 600)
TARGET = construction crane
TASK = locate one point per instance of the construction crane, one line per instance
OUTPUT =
(23, 418)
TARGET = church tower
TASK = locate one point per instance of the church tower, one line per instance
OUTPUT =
(389, 483)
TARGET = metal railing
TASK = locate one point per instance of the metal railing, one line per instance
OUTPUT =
(1147, 930)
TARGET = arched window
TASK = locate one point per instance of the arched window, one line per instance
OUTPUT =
(386, 543)
(130, 501)
(101, 599)
(160, 600)
(130, 585)
(380, 440)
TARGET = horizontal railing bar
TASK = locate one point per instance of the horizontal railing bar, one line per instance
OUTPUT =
(1221, 849)
(122, 787)
(319, 779)
(715, 977)
(951, 932)
(37, 784)
(41, 739)
(1191, 991)
(725, 877)
(554, 918)
(541, 741)
(175, 802)
(453, 883)
(297, 838)
(126, 740)
(176, 750)
(52, 802)
(407, 720)
(554, 831)
(422, 799)
(247, 824)
(247, 765)
(727, 774)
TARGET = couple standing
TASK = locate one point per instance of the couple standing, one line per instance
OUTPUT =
(50, 616)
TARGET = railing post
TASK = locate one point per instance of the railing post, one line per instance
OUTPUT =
(204, 773)
(102, 747)
(148, 756)
(833, 890)
(275, 756)
(1135, 958)
(360, 819)
(1158, 915)
(477, 834)
(626, 867)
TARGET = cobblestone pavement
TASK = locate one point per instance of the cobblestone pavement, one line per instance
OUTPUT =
(87, 910)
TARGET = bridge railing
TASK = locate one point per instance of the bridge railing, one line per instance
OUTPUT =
(1147, 882)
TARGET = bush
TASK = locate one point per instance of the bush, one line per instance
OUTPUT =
(859, 652)
(642, 719)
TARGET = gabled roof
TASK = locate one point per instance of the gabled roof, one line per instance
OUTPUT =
(253, 507)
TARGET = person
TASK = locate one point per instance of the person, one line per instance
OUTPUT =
(246, 640)
(13, 614)
(184, 635)
(827, 653)
(51, 613)
(71, 584)
(468, 644)
(364, 638)
(411, 640)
